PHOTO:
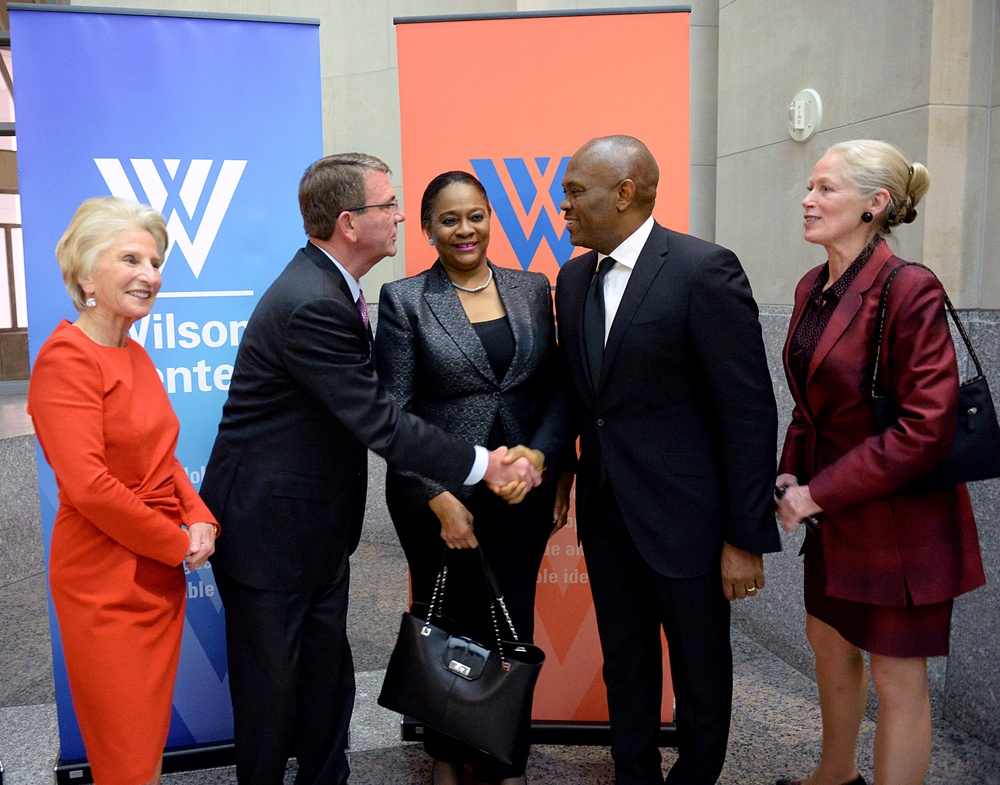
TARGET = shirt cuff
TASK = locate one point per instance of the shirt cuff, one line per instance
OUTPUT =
(479, 466)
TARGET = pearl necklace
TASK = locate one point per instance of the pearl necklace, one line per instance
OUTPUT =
(474, 289)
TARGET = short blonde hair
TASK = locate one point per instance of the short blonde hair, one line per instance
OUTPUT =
(95, 225)
(871, 165)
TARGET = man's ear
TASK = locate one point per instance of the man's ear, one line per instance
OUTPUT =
(625, 195)
(346, 224)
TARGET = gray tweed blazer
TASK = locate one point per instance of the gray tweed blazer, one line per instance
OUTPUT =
(432, 362)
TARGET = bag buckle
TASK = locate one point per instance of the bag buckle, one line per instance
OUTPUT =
(464, 657)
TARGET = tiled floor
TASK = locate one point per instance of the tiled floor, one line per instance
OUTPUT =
(14, 420)
(775, 732)
(775, 721)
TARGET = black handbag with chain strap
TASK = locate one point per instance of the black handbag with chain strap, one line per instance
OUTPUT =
(478, 694)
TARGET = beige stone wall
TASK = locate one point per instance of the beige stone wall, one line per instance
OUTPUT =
(991, 243)
(918, 73)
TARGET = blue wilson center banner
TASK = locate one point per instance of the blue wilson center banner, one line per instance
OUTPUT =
(212, 122)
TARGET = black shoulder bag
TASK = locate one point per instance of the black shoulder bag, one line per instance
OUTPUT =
(975, 453)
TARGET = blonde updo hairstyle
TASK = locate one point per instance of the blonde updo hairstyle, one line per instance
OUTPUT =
(870, 165)
(95, 225)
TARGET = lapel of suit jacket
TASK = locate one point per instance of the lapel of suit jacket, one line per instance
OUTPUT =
(798, 309)
(647, 267)
(442, 299)
(849, 306)
(518, 310)
(572, 288)
(322, 261)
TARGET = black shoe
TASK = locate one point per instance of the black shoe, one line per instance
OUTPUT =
(858, 781)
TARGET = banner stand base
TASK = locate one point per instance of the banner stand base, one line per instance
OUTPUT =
(593, 734)
(206, 756)
(214, 756)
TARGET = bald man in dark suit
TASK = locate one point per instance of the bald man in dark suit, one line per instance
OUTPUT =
(678, 432)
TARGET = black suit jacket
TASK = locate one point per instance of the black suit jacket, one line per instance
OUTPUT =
(433, 363)
(683, 414)
(288, 472)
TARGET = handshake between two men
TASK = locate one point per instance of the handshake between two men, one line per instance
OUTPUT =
(513, 472)
(510, 474)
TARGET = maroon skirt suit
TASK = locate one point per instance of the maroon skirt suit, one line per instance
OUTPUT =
(888, 560)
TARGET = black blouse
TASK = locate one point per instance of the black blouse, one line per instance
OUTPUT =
(820, 306)
(498, 341)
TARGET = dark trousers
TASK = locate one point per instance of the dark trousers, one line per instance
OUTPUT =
(291, 676)
(632, 602)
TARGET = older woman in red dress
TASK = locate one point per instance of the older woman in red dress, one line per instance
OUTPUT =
(128, 516)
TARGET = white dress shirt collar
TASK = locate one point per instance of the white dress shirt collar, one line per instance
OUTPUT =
(628, 252)
(618, 276)
(352, 284)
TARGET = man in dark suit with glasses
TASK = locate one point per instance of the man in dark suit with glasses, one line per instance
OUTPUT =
(288, 477)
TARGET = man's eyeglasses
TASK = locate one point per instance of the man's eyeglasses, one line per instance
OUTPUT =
(394, 204)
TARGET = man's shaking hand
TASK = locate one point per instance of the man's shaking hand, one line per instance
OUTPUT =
(511, 473)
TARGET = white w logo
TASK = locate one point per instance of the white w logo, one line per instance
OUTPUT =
(195, 251)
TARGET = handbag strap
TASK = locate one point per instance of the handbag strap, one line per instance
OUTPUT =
(438, 594)
(496, 599)
(880, 326)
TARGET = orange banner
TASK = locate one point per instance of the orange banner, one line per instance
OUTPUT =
(571, 688)
(510, 99)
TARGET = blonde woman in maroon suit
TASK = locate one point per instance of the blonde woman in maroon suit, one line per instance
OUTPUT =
(881, 574)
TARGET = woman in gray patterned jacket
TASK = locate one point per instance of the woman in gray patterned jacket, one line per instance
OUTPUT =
(471, 347)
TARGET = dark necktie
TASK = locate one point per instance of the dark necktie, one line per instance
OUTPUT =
(363, 312)
(362, 307)
(593, 319)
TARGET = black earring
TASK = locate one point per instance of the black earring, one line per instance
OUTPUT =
(867, 217)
